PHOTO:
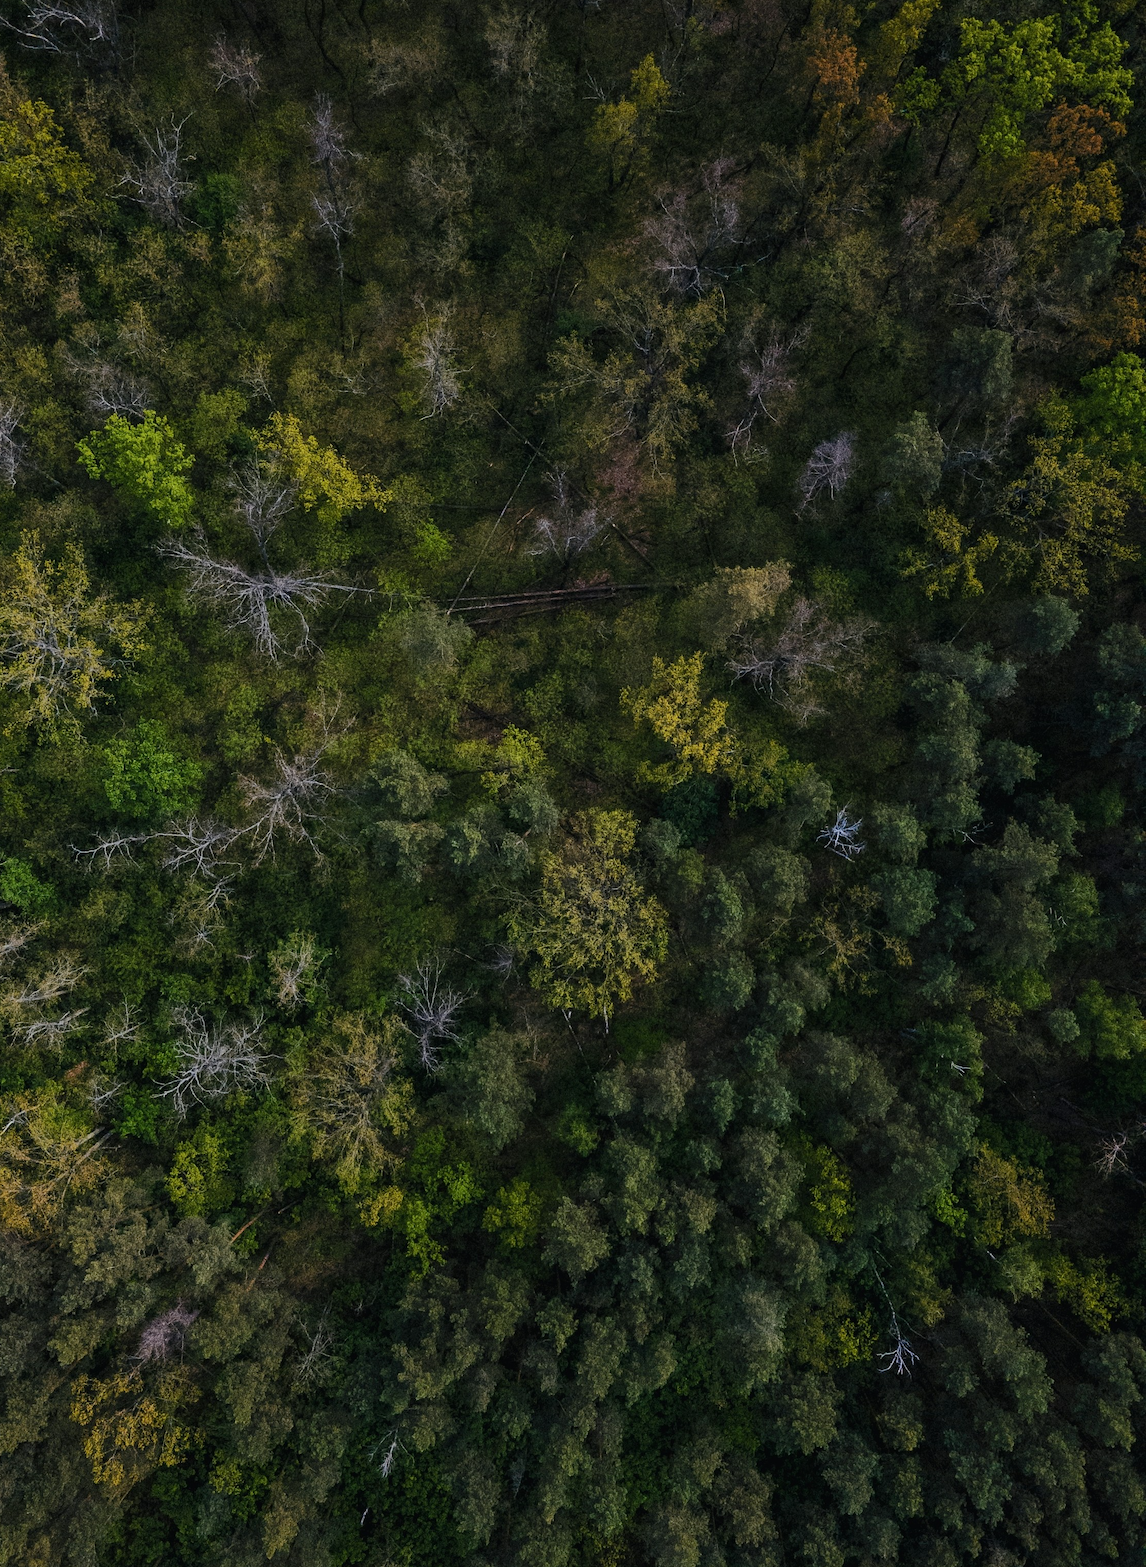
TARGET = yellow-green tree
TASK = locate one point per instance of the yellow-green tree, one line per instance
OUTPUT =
(621, 133)
(697, 734)
(351, 1105)
(327, 484)
(56, 637)
(592, 928)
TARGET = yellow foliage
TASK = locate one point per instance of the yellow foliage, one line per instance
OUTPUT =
(380, 1210)
(34, 163)
(620, 132)
(49, 627)
(127, 1441)
(1068, 508)
(47, 1149)
(836, 1334)
(352, 1108)
(830, 1193)
(515, 1214)
(900, 36)
(1089, 1290)
(696, 730)
(950, 566)
(1066, 209)
(672, 706)
(326, 482)
(1010, 1203)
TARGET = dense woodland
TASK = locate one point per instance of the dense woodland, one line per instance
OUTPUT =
(572, 748)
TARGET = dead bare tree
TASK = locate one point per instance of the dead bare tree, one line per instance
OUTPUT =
(828, 468)
(250, 600)
(75, 27)
(319, 1342)
(214, 1060)
(689, 244)
(236, 66)
(336, 203)
(198, 845)
(433, 355)
(289, 806)
(111, 389)
(769, 380)
(121, 1027)
(570, 530)
(263, 497)
(842, 836)
(1112, 1154)
(12, 449)
(165, 1335)
(293, 968)
(157, 183)
(809, 643)
(432, 1009)
(14, 940)
(28, 1007)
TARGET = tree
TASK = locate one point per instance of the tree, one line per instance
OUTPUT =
(432, 1009)
(213, 1060)
(1067, 510)
(255, 602)
(809, 645)
(592, 928)
(326, 483)
(350, 1103)
(236, 66)
(674, 710)
(828, 468)
(49, 623)
(146, 462)
(621, 132)
(158, 183)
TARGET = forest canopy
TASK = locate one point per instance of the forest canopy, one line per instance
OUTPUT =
(572, 748)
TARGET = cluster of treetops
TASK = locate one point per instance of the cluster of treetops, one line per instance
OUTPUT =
(572, 737)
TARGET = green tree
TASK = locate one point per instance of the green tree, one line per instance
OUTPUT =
(146, 462)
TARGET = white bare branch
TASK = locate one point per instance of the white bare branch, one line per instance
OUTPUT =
(263, 497)
(289, 806)
(251, 601)
(570, 530)
(78, 27)
(14, 940)
(688, 244)
(809, 642)
(319, 1342)
(769, 380)
(158, 183)
(294, 967)
(55, 982)
(166, 1334)
(47, 1030)
(901, 1357)
(432, 1009)
(828, 468)
(214, 1060)
(235, 66)
(434, 357)
(389, 1447)
(198, 844)
(842, 836)
(12, 448)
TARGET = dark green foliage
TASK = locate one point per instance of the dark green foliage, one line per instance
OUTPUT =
(396, 400)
